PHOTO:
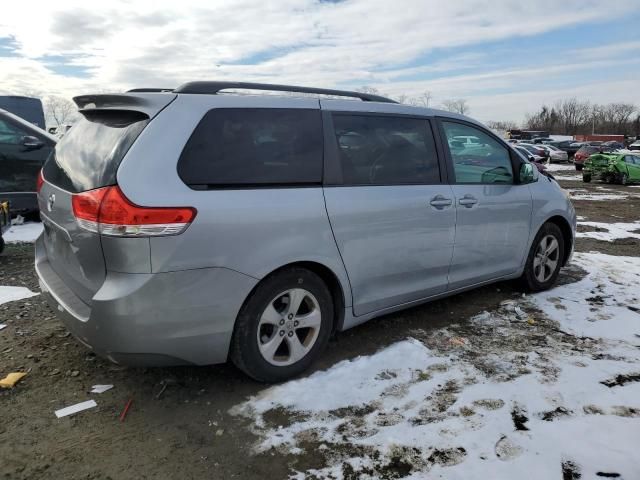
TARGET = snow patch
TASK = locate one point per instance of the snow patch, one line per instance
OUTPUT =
(608, 232)
(26, 232)
(493, 397)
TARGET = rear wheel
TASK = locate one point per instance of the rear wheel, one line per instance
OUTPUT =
(545, 258)
(586, 177)
(624, 179)
(283, 326)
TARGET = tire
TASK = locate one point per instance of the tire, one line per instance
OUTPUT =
(624, 179)
(531, 277)
(265, 325)
(586, 178)
(578, 167)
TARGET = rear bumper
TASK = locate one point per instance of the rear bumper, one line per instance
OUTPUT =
(172, 318)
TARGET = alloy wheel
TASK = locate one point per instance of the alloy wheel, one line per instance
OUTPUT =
(289, 327)
(546, 258)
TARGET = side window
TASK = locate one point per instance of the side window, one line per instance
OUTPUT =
(254, 147)
(630, 159)
(485, 160)
(10, 134)
(385, 150)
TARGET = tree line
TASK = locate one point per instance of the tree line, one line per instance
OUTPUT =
(572, 116)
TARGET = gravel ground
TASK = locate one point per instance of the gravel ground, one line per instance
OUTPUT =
(187, 431)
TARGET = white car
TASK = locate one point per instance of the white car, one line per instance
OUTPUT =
(555, 154)
(635, 146)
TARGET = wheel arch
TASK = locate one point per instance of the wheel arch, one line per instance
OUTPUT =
(328, 276)
(567, 234)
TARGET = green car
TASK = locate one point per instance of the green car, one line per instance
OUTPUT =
(620, 168)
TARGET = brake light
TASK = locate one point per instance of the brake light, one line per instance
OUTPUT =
(39, 181)
(108, 212)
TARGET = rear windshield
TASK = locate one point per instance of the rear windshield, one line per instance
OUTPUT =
(88, 156)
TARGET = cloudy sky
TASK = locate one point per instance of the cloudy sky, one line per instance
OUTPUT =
(505, 57)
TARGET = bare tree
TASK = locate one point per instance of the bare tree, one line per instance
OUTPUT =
(369, 90)
(403, 98)
(60, 110)
(458, 106)
(502, 126)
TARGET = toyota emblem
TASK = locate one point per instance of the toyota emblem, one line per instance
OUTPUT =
(51, 201)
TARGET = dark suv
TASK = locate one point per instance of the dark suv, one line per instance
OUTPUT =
(23, 149)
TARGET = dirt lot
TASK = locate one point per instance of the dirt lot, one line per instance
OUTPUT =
(187, 431)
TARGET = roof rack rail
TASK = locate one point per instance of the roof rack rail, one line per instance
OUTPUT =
(213, 87)
(149, 90)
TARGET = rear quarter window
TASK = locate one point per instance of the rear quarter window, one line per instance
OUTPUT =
(235, 147)
(88, 156)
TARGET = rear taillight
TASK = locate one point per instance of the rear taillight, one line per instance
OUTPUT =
(108, 212)
(39, 181)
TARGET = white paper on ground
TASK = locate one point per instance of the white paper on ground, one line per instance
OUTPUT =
(12, 294)
(78, 407)
(100, 388)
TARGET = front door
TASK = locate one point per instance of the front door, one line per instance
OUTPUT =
(392, 216)
(493, 212)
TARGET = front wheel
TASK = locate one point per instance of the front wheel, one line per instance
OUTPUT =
(586, 178)
(545, 259)
(283, 326)
(624, 179)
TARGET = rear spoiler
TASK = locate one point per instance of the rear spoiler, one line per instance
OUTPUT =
(148, 103)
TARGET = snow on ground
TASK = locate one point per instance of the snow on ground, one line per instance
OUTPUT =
(26, 232)
(582, 194)
(542, 385)
(11, 294)
(559, 167)
(568, 178)
(609, 232)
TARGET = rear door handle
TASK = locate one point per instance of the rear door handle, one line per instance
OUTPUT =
(440, 202)
(468, 201)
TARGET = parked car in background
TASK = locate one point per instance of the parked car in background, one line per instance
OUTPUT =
(188, 227)
(27, 108)
(23, 149)
(612, 168)
(538, 140)
(569, 146)
(613, 145)
(635, 146)
(554, 154)
(532, 157)
(584, 152)
(536, 150)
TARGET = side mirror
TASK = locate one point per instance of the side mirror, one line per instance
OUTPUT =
(527, 173)
(31, 143)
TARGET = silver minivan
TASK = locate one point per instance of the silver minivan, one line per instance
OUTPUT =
(194, 225)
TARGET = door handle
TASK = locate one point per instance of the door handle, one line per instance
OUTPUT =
(468, 201)
(440, 202)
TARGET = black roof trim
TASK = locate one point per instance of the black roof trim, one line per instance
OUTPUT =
(215, 87)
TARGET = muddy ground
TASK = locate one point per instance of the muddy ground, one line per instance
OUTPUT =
(187, 431)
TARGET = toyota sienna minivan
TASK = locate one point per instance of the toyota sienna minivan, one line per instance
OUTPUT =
(200, 224)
